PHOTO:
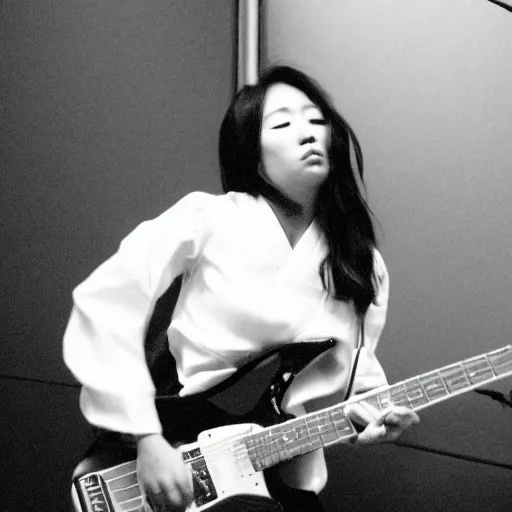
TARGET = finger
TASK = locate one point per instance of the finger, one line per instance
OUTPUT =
(186, 487)
(175, 500)
(166, 501)
(380, 426)
(360, 413)
(156, 502)
(373, 411)
(372, 434)
(400, 416)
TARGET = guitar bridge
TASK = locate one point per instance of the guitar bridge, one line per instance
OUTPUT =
(204, 488)
(94, 494)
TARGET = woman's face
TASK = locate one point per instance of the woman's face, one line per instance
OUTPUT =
(294, 141)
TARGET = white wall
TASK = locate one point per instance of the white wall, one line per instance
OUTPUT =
(427, 86)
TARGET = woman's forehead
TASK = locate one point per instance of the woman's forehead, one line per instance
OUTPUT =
(282, 97)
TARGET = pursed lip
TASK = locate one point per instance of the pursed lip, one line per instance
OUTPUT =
(312, 152)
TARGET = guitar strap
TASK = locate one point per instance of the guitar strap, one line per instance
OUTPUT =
(360, 345)
(160, 361)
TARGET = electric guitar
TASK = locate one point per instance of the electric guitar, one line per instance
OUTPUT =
(230, 434)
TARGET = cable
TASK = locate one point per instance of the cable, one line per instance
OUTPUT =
(39, 381)
(506, 5)
(469, 458)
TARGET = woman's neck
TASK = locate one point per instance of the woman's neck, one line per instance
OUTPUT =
(294, 224)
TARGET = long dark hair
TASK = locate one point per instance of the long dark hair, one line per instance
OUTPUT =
(342, 213)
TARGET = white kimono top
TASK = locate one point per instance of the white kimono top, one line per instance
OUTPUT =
(244, 289)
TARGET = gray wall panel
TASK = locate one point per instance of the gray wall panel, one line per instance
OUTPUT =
(426, 86)
(110, 113)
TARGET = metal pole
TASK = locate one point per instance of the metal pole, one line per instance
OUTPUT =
(248, 42)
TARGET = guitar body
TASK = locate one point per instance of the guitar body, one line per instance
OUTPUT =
(204, 427)
(230, 434)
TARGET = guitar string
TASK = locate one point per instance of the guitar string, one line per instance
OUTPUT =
(219, 449)
(223, 447)
(238, 447)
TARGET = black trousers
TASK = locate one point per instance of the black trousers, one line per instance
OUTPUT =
(294, 500)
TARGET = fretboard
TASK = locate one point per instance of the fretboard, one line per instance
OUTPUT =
(331, 425)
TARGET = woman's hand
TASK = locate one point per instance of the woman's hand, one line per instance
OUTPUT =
(163, 475)
(380, 426)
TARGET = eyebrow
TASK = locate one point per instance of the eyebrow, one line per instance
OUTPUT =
(287, 110)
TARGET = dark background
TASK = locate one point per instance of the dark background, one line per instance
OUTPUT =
(109, 114)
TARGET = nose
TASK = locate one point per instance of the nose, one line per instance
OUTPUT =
(306, 132)
(307, 140)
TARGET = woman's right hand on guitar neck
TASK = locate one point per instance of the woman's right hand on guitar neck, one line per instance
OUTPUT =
(162, 474)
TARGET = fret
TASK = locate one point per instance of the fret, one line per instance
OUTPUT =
(135, 505)
(384, 399)
(415, 393)
(479, 369)
(314, 423)
(328, 426)
(434, 386)
(124, 481)
(271, 456)
(399, 395)
(409, 393)
(291, 445)
(341, 423)
(374, 401)
(265, 450)
(278, 443)
(313, 433)
(126, 494)
(501, 360)
(454, 377)
(251, 444)
(396, 395)
(328, 433)
(255, 458)
(119, 471)
(303, 437)
(266, 459)
(123, 486)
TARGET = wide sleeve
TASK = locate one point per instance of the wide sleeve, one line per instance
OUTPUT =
(369, 373)
(104, 339)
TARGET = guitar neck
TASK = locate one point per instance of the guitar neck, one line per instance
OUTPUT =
(331, 425)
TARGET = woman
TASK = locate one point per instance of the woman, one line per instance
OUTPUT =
(287, 254)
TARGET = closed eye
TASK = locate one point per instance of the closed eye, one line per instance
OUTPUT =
(318, 121)
(282, 125)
